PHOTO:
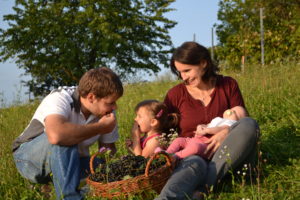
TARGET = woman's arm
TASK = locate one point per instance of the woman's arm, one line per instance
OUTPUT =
(203, 130)
(215, 141)
(214, 130)
(235, 97)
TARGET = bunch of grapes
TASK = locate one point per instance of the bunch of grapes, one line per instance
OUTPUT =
(128, 166)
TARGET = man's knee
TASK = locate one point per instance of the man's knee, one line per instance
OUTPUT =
(32, 172)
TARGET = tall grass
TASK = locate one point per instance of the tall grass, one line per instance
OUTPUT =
(272, 97)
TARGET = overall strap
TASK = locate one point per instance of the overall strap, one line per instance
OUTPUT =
(149, 138)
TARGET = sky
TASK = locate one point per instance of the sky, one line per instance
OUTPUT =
(195, 21)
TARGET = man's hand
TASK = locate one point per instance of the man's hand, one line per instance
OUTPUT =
(108, 122)
(61, 132)
(215, 141)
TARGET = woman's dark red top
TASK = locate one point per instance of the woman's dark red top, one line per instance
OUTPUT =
(192, 112)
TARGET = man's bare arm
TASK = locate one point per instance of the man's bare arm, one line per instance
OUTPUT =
(61, 132)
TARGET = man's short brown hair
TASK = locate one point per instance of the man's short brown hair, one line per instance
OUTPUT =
(102, 82)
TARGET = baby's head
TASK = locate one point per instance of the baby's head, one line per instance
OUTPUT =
(235, 113)
(154, 114)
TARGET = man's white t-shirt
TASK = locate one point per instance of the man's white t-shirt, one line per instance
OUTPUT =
(63, 102)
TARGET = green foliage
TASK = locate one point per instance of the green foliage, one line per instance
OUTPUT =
(239, 32)
(57, 41)
(272, 97)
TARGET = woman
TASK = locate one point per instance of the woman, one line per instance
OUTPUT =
(202, 96)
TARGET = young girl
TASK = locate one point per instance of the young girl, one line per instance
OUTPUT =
(183, 147)
(152, 119)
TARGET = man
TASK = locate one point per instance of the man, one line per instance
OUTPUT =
(65, 124)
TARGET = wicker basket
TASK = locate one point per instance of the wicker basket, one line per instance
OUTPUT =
(137, 185)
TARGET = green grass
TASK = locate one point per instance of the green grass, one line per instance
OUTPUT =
(272, 96)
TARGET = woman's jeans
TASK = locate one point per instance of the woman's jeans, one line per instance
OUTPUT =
(193, 173)
(37, 159)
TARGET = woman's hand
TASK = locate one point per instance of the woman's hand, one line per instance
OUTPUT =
(215, 141)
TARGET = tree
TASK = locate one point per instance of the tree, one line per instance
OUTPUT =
(57, 41)
(239, 32)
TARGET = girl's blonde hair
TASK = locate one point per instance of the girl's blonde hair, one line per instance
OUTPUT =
(159, 111)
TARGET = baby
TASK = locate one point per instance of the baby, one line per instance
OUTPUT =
(183, 147)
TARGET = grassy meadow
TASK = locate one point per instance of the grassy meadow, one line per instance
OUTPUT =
(272, 97)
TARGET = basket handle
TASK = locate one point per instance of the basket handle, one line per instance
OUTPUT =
(155, 156)
(92, 161)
